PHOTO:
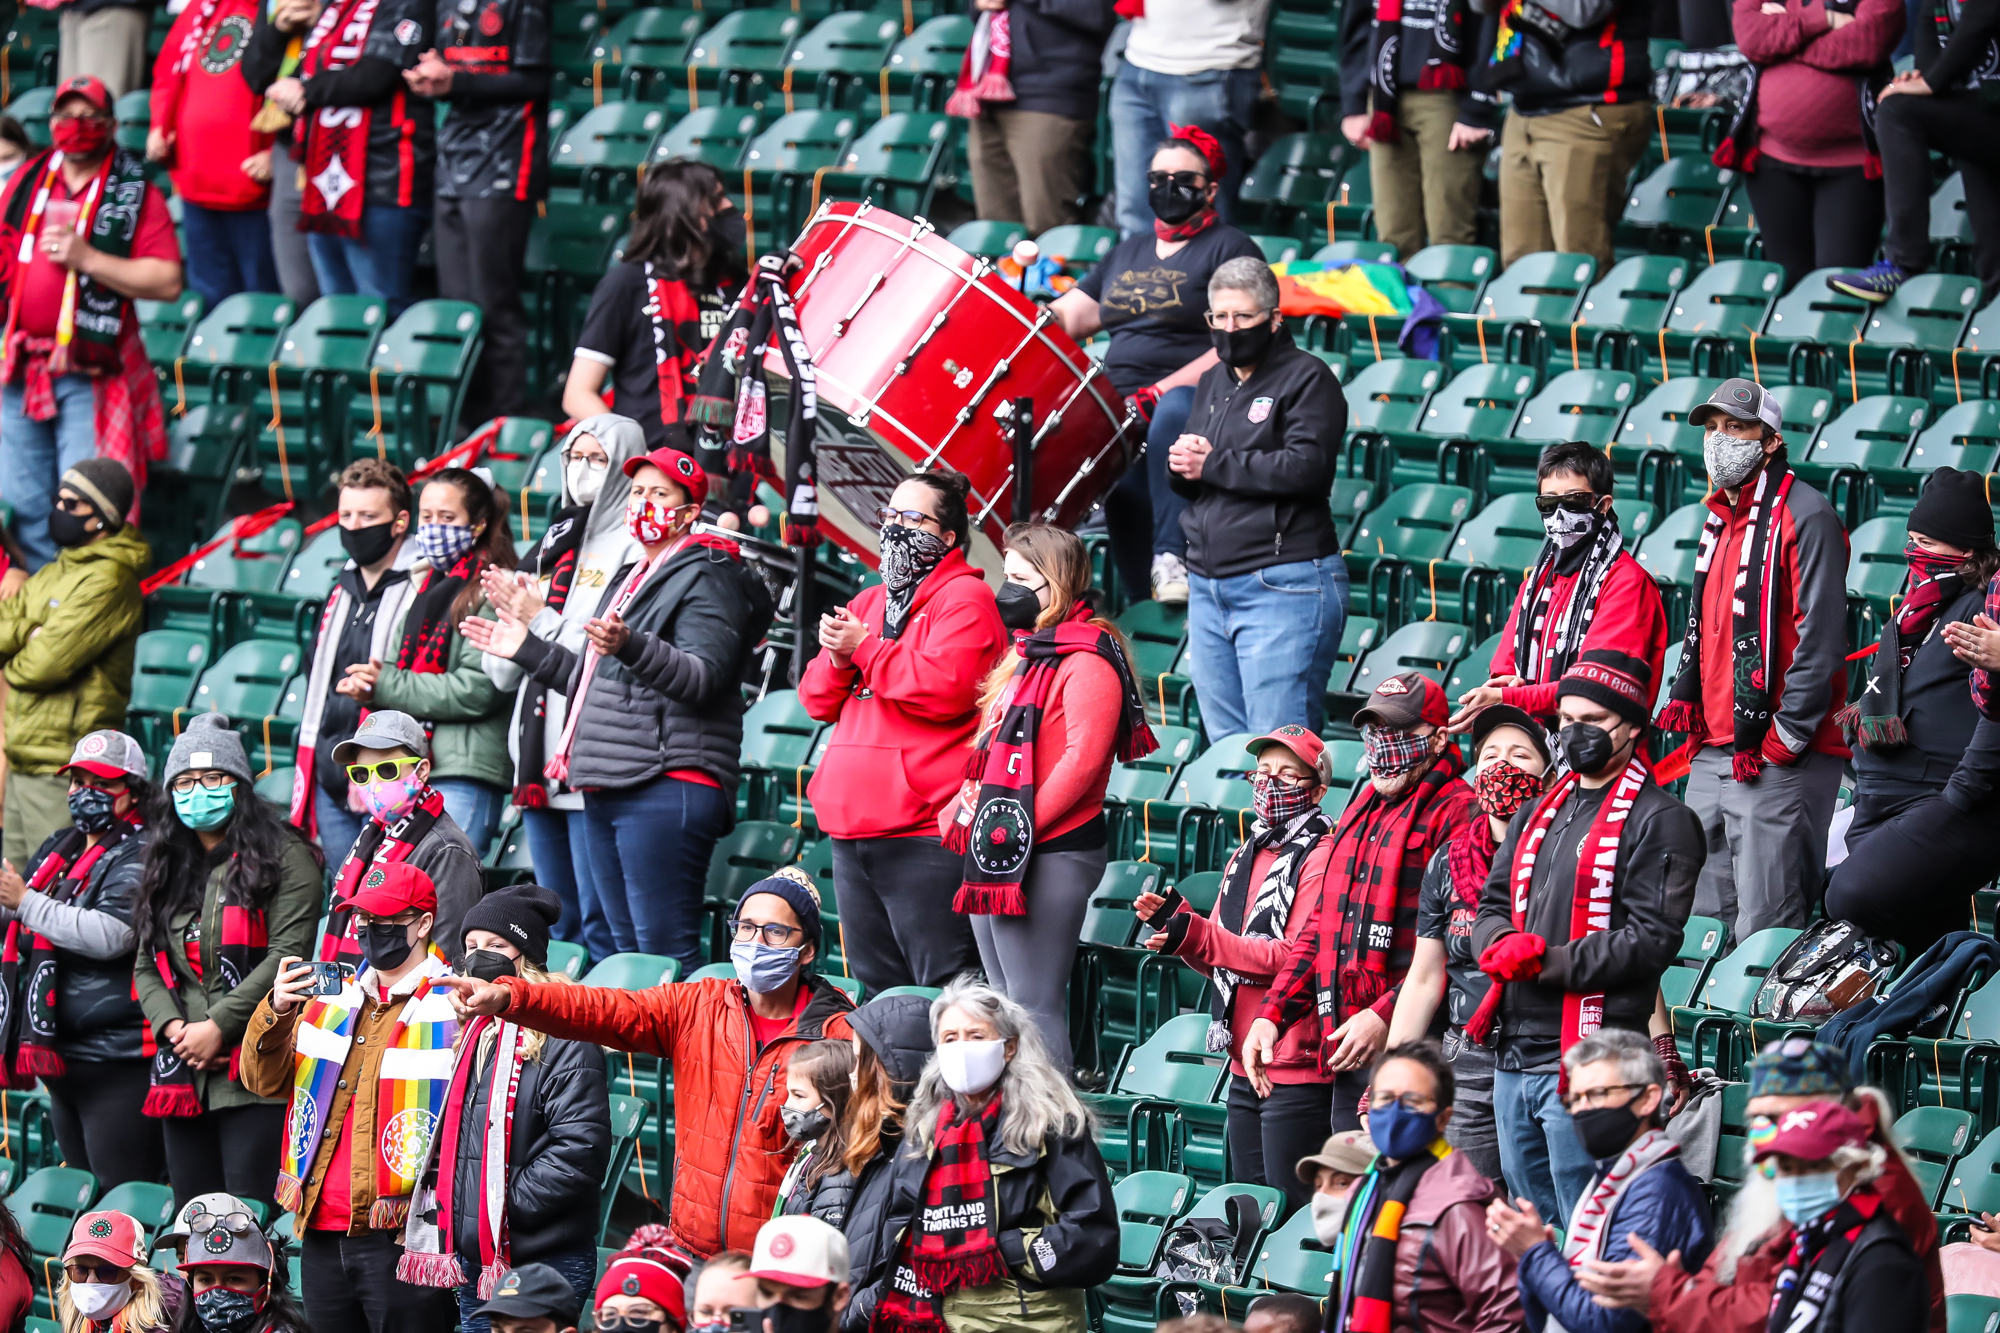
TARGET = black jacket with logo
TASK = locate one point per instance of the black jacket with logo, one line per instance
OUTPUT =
(494, 140)
(97, 1015)
(1603, 57)
(1262, 498)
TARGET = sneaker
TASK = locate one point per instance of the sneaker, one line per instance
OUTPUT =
(1877, 282)
(1170, 585)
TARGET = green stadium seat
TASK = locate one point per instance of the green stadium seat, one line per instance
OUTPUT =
(1701, 943)
(1170, 1076)
(1972, 1188)
(1668, 553)
(228, 353)
(45, 1206)
(304, 398)
(778, 738)
(1873, 435)
(1806, 324)
(1410, 529)
(990, 239)
(643, 58)
(1722, 308)
(1933, 1138)
(1904, 339)
(1426, 646)
(802, 142)
(247, 683)
(1207, 1298)
(715, 135)
(1583, 406)
(1489, 559)
(148, 1204)
(1966, 1313)
(1624, 310)
(187, 492)
(628, 1121)
(1210, 807)
(1369, 252)
(1136, 785)
(1287, 189)
(1079, 248)
(417, 381)
(1455, 274)
(1659, 421)
(1876, 565)
(747, 853)
(166, 663)
(1358, 634)
(1711, 1032)
(923, 67)
(741, 58)
(840, 61)
(164, 326)
(1388, 395)
(32, 107)
(1512, 319)
(1475, 668)
(633, 971)
(1157, 633)
(899, 162)
(1479, 402)
(1965, 436)
(1668, 211)
(134, 113)
(599, 156)
(1103, 990)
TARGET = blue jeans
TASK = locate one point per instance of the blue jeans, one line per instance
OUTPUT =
(560, 849)
(228, 252)
(1220, 101)
(338, 826)
(579, 1270)
(1143, 512)
(1539, 1149)
(382, 261)
(37, 453)
(1261, 645)
(649, 848)
(475, 807)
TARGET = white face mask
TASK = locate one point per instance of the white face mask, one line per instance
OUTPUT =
(969, 1067)
(586, 479)
(1566, 528)
(99, 1300)
(1328, 1210)
(1730, 460)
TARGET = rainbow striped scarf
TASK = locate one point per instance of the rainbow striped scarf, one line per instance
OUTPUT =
(409, 1096)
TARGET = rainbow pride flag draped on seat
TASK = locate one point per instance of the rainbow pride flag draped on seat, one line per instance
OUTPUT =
(1342, 287)
(409, 1093)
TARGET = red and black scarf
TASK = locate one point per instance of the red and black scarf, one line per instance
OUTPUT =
(1372, 843)
(1469, 858)
(1443, 65)
(1590, 895)
(997, 836)
(336, 170)
(377, 845)
(30, 968)
(555, 560)
(244, 944)
(1547, 643)
(984, 70)
(427, 630)
(1752, 633)
(954, 1242)
(671, 308)
(1875, 722)
(1377, 1223)
(1818, 1250)
(733, 392)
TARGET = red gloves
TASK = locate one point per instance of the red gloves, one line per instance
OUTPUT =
(1774, 751)
(1515, 957)
(1141, 404)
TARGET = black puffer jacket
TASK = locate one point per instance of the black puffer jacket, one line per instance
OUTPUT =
(670, 699)
(97, 1017)
(561, 1148)
(827, 1198)
(1601, 56)
(898, 1029)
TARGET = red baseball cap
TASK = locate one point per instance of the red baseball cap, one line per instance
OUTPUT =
(109, 1235)
(392, 888)
(1301, 741)
(678, 466)
(86, 86)
(1405, 701)
(1811, 1132)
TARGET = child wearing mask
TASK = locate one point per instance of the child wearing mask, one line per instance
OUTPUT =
(1330, 1174)
(817, 1084)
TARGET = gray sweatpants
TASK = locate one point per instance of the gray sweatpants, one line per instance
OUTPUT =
(1027, 958)
(288, 243)
(1766, 839)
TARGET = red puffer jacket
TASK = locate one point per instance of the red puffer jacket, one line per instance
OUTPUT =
(904, 711)
(729, 1141)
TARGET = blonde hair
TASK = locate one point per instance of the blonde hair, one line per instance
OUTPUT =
(146, 1312)
(1061, 558)
(528, 970)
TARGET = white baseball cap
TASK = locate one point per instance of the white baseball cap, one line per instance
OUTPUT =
(799, 1251)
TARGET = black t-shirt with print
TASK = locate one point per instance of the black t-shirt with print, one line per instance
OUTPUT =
(1443, 915)
(1153, 307)
(493, 143)
(618, 332)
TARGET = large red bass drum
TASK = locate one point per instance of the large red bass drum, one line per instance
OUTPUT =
(919, 350)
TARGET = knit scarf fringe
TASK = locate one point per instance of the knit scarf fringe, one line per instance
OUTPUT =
(1874, 733)
(39, 1062)
(962, 1274)
(435, 1270)
(171, 1100)
(388, 1214)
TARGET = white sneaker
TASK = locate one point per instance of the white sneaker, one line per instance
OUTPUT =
(1170, 579)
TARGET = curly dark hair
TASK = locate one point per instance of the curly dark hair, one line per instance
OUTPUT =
(175, 873)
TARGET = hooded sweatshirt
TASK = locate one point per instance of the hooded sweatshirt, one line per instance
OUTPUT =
(607, 547)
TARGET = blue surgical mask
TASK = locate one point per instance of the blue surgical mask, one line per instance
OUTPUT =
(762, 968)
(1807, 1198)
(205, 809)
(1400, 1132)
(443, 543)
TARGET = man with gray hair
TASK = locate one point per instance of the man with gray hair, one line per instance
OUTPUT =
(1617, 1103)
(1267, 590)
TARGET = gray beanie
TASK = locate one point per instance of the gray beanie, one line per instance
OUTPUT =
(209, 743)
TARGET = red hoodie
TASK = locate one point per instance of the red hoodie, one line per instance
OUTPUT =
(1630, 618)
(201, 99)
(903, 710)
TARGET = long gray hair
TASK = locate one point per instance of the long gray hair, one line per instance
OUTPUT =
(1038, 1099)
(622, 438)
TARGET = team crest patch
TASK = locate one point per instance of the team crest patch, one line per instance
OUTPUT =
(1392, 686)
(781, 1246)
(409, 32)
(1260, 409)
(225, 45)
(376, 878)
(630, 1286)
(490, 21)
(101, 1228)
(216, 1241)
(510, 1285)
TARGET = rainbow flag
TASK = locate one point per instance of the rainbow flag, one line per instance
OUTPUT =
(1345, 287)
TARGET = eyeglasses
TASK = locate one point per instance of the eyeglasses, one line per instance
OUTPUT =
(595, 460)
(1577, 502)
(1595, 1097)
(1234, 319)
(773, 933)
(239, 1224)
(1189, 180)
(214, 780)
(84, 1271)
(909, 518)
(611, 1323)
(1409, 1101)
(387, 770)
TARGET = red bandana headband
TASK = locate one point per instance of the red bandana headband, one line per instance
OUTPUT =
(1209, 146)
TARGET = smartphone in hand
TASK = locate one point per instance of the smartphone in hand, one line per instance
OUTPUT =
(1169, 904)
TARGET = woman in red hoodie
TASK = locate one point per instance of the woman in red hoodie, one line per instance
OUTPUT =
(899, 676)
(1270, 896)
(1059, 709)
(224, 177)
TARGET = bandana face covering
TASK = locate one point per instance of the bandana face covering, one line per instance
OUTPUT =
(1566, 527)
(647, 523)
(1390, 752)
(81, 138)
(1730, 460)
(443, 543)
(91, 809)
(1276, 801)
(908, 555)
(1503, 788)
(1927, 565)
(390, 801)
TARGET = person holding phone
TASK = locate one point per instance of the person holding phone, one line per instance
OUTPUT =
(227, 888)
(1270, 897)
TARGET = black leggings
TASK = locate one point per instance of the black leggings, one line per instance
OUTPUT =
(96, 1109)
(1813, 220)
(1874, 887)
(1959, 126)
(233, 1151)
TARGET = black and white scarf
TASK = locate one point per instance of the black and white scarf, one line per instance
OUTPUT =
(1544, 649)
(1261, 913)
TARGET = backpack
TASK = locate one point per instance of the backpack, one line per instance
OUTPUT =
(1832, 967)
(1214, 1250)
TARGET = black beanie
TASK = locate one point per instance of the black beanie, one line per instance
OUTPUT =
(1954, 508)
(107, 485)
(521, 915)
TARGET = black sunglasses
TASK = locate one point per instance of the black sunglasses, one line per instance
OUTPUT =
(1187, 180)
(1576, 504)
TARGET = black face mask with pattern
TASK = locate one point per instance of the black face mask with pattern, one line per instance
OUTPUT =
(908, 556)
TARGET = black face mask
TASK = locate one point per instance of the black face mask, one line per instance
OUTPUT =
(366, 546)
(486, 965)
(386, 945)
(92, 810)
(1605, 1131)
(791, 1319)
(1174, 204)
(727, 233)
(1242, 348)
(1588, 748)
(1019, 607)
(66, 529)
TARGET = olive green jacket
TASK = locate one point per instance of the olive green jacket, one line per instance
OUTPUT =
(66, 639)
(291, 920)
(468, 712)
